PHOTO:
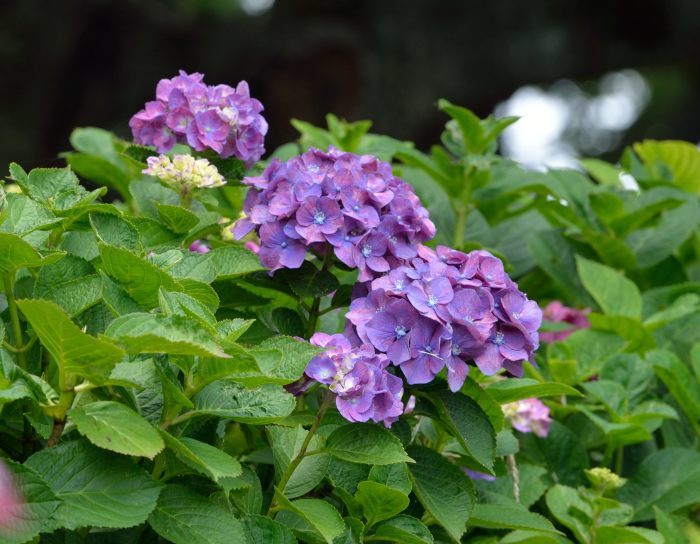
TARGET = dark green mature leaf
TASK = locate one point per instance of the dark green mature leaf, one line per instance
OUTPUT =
(57, 188)
(98, 489)
(443, 489)
(395, 476)
(367, 444)
(469, 424)
(679, 381)
(286, 444)
(79, 354)
(115, 427)
(228, 399)
(71, 283)
(522, 388)
(171, 334)
(403, 530)
(15, 253)
(568, 508)
(668, 479)
(380, 502)
(311, 515)
(115, 231)
(185, 517)
(614, 293)
(308, 281)
(282, 359)
(208, 460)
(262, 530)
(39, 504)
(501, 516)
(564, 454)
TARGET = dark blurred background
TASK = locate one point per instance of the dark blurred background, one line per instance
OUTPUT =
(588, 77)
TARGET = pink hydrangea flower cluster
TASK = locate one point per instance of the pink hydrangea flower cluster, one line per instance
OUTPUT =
(529, 416)
(357, 375)
(556, 312)
(445, 309)
(371, 219)
(216, 117)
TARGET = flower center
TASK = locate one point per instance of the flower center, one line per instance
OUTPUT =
(283, 245)
(346, 238)
(398, 285)
(456, 350)
(313, 168)
(499, 339)
(400, 331)
(428, 349)
(366, 250)
(319, 217)
(468, 318)
(432, 301)
(516, 315)
(355, 208)
(489, 277)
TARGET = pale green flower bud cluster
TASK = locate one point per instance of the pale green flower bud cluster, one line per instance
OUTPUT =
(184, 172)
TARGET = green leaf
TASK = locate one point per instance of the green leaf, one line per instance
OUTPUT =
(366, 443)
(308, 281)
(380, 502)
(115, 231)
(233, 261)
(38, 505)
(227, 399)
(185, 517)
(22, 215)
(443, 490)
(98, 489)
(679, 380)
(171, 334)
(614, 293)
(563, 453)
(286, 444)
(177, 219)
(15, 253)
(283, 359)
(79, 354)
(176, 303)
(115, 427)
(263, 530)
(670, 526)
(57, 188)
(403, 530)
(674, 160)
(628, 535)
(321, 517)
(501, 516)
(139, 278)
(205, 459)
(668, 479)
(469, 424)
(71, 283)
(395, 476)
(522, 388)
(603, 172)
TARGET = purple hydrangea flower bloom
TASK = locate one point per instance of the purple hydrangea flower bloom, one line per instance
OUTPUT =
(389, 331)
(317, 217)
(362, 311)
(430, 298)
(521, 312)
(464, 346)
(369, 255)
(506, 343)
(429, 347)
(396, 282)
(529, 416)
(472, 307)
(220, 118)
(364, 388)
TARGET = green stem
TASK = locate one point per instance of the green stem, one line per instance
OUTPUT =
(314, 311)
(14, 318)
(619, 460)
(294, 463)
(178, 419)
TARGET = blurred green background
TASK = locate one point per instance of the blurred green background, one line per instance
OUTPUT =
(588, 77)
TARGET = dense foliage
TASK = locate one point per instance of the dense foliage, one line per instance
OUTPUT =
(363, 365)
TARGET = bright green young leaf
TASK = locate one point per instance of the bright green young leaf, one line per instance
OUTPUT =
(39, 504)
(366, 443)
(403, 530)
(98, 489)
(614, 293)
(500, 516)
(204, 458)
(185, 517)
(286, 444)
(522, 388)
(57, 188)
(668, 479)
(171, 334)
(443, 489)
(282, 359)
(679, 159)
(115, 427)
(314, 514)
(177, 219)
(469, 424)
(640, 535)
(568, 508)
(176, 303)
(380, 502)
(394, 476)
(670, 526)
(262, 530)
(79, 354)
(15, 253)
(22, 215)
(233, 261)
(71, 283)
(115, 231)
(260, 406)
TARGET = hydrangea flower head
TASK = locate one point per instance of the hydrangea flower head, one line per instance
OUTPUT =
(444, 309)
(357, 375)
(529, 416)
(186, 110)
(556, 312)
(353, 204)
(199, 247)
(184, 173)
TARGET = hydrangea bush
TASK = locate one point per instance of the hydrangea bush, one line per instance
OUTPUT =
(341, 343)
